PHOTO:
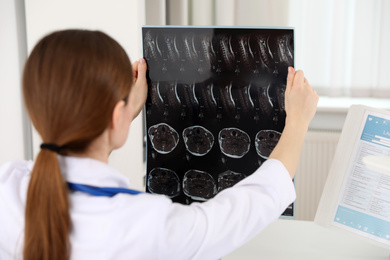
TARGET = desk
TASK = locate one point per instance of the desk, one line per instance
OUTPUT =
(304, 240)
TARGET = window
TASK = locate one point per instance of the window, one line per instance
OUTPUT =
(343, 46)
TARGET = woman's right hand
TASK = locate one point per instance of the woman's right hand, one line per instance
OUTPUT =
(301, 103)
(300, 99)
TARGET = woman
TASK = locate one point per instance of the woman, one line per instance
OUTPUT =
(82, 93)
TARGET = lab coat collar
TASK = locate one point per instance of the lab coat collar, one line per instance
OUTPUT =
(92, 172)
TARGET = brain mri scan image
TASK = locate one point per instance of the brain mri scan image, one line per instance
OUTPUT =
(234, 142)
(228, 179)
(199, 185)
(215, 107)
(164, 181)
(163, 138)
(198, 140)
(265, 142)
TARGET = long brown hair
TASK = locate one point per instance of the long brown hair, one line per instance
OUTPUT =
(72, 80)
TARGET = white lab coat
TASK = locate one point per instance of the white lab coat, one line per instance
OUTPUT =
(147, 226)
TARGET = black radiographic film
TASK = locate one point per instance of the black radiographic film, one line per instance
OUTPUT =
(215, 107)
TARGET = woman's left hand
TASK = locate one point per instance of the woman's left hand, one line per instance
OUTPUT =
(139, 90)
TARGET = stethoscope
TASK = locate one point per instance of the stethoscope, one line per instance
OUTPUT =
(100, 191)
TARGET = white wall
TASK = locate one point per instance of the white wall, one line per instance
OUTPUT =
(13, 143)
(122, 20)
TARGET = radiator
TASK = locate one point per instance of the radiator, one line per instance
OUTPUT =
(317, 155)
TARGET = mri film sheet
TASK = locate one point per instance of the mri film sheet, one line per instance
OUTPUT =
(215, 107)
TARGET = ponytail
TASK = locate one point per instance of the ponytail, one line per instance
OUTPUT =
(47, 222)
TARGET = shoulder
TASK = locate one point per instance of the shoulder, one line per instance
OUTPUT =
(15, 169)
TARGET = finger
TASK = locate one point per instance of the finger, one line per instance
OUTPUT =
(299, 78)
(290, 77)
(135, 65)
(308, 86)
(141, 70)
(135, 70)
(306, 81)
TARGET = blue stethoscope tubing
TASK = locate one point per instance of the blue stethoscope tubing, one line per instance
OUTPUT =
(100, 191)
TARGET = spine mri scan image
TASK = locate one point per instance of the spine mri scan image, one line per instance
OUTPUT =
(215, 107)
